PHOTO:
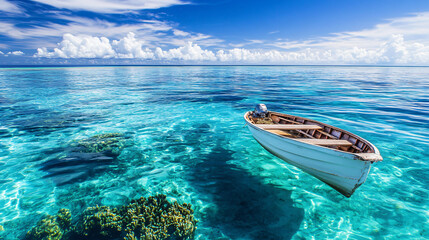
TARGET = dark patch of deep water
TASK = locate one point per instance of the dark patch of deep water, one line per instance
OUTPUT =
(31, 119)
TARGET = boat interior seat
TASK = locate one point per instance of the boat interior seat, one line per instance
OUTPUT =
(280, 132)
(325, 142)
(288, 126)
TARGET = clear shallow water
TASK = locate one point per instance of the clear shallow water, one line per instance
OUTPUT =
(185, 139)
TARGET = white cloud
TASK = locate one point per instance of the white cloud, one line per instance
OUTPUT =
(395, 51)
(201, 39)
(111, 6)
(1, 53)
(247, 43)
(10, 30)
(80, 47)
(6, 6)
(85, 46)
(189, 52)
(16, 53)
(414, 28)
(79, 25)
(177, 32)
(400, 41)
(130, 47)
(156, 33)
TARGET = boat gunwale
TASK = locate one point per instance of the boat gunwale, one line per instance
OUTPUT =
(370, 157)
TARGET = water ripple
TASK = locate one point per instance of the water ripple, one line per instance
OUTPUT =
(189, 143)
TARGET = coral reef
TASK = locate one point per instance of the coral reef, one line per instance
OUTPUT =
(64, 218)
(99, 223)
(51, 227)
(111, 143)
(143, 219)
(156, 218)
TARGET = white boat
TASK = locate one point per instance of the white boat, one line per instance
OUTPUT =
(337, 157)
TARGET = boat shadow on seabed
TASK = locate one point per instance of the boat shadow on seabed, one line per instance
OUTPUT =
(245, 207)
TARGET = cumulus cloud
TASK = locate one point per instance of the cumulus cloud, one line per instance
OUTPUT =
(85, 46)
(130, 47)
(1, 53)
(396, 50)
(111, 6)
(189, 52)
(80, 47)
(6, 6)
(16, 53)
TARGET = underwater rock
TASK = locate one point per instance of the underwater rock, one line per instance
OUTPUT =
(51, 227)
(109, 143)
(76, 167)
(85, 158)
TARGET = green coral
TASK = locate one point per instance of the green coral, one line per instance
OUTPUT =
(110, 142)
(51, 227)
(156, 218)
(99, 223)
(143, 219)
(64, 218)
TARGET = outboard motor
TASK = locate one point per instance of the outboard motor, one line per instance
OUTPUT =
(261, 111)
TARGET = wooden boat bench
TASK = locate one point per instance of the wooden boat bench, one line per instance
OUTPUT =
(288, 126)
(325, 142)
(280, 132)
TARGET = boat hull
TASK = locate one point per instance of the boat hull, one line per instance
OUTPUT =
(341, 170)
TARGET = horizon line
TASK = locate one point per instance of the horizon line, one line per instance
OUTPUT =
(198, 65)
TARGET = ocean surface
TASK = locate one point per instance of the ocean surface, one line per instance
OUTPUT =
(185, 138)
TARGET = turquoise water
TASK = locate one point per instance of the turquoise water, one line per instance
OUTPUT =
(185, 138)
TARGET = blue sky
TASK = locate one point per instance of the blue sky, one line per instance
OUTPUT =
(382, 32)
